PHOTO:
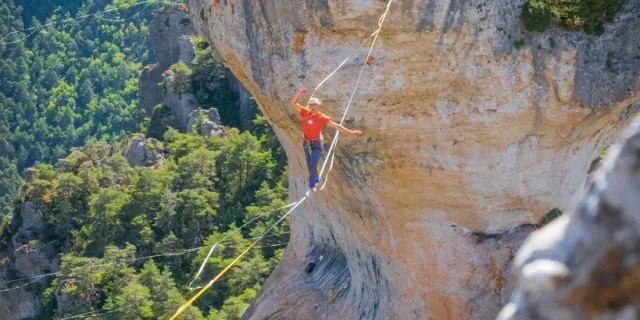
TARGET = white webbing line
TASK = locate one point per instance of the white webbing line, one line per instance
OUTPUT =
(334, 142)
(355, 88)
(213, 247)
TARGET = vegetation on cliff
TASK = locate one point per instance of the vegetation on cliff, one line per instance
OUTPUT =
(584, 15)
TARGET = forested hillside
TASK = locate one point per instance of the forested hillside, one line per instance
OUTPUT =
(84, 232)
(67, 78)
(106, 220)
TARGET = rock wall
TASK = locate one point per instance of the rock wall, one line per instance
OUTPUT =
(32, 222)
(181, 104)
(466, 137)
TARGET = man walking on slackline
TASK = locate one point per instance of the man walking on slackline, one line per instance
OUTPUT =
(312, 123)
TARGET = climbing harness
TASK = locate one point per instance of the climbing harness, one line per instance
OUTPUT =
(313, 141)
(308, 193)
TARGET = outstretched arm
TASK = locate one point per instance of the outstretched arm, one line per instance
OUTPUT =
(343, 129)
(294, 101)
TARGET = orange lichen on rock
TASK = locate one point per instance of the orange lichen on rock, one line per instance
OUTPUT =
(298, 42)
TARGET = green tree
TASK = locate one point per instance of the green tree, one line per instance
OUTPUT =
(196, 170)
(105, 226)
(536, 15)
(586, 15)
(166, 219)
(197, 209)
(181, 77)
(9, 182)
(166, 296)
(234, 307)
(66, 202)
(161, 119)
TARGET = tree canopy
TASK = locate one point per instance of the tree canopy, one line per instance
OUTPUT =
(129, 239)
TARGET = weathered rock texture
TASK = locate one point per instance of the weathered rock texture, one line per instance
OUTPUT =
(19, 304)
(168, 29)
(34, 261)
(181, 104)
(21, 259)
(465, 136)
(27, 258)
(586, 264)
(144, 152)
(209, 122)
(32, 215)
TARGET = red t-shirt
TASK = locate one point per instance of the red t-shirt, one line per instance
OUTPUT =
(312, 123)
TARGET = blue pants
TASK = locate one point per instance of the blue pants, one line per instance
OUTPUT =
(313, 152)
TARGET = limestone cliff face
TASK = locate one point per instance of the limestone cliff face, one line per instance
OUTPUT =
(466, 141)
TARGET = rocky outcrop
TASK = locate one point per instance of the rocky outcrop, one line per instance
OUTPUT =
(31, 221)
(187, 51)
(144, 152)
(465, 136)
(168, 29)
(171, 32)
(26, 257)
(150, 92)
(19, 304)
(209, 122)
(181, 104)
(586, 264)
(33, 261)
